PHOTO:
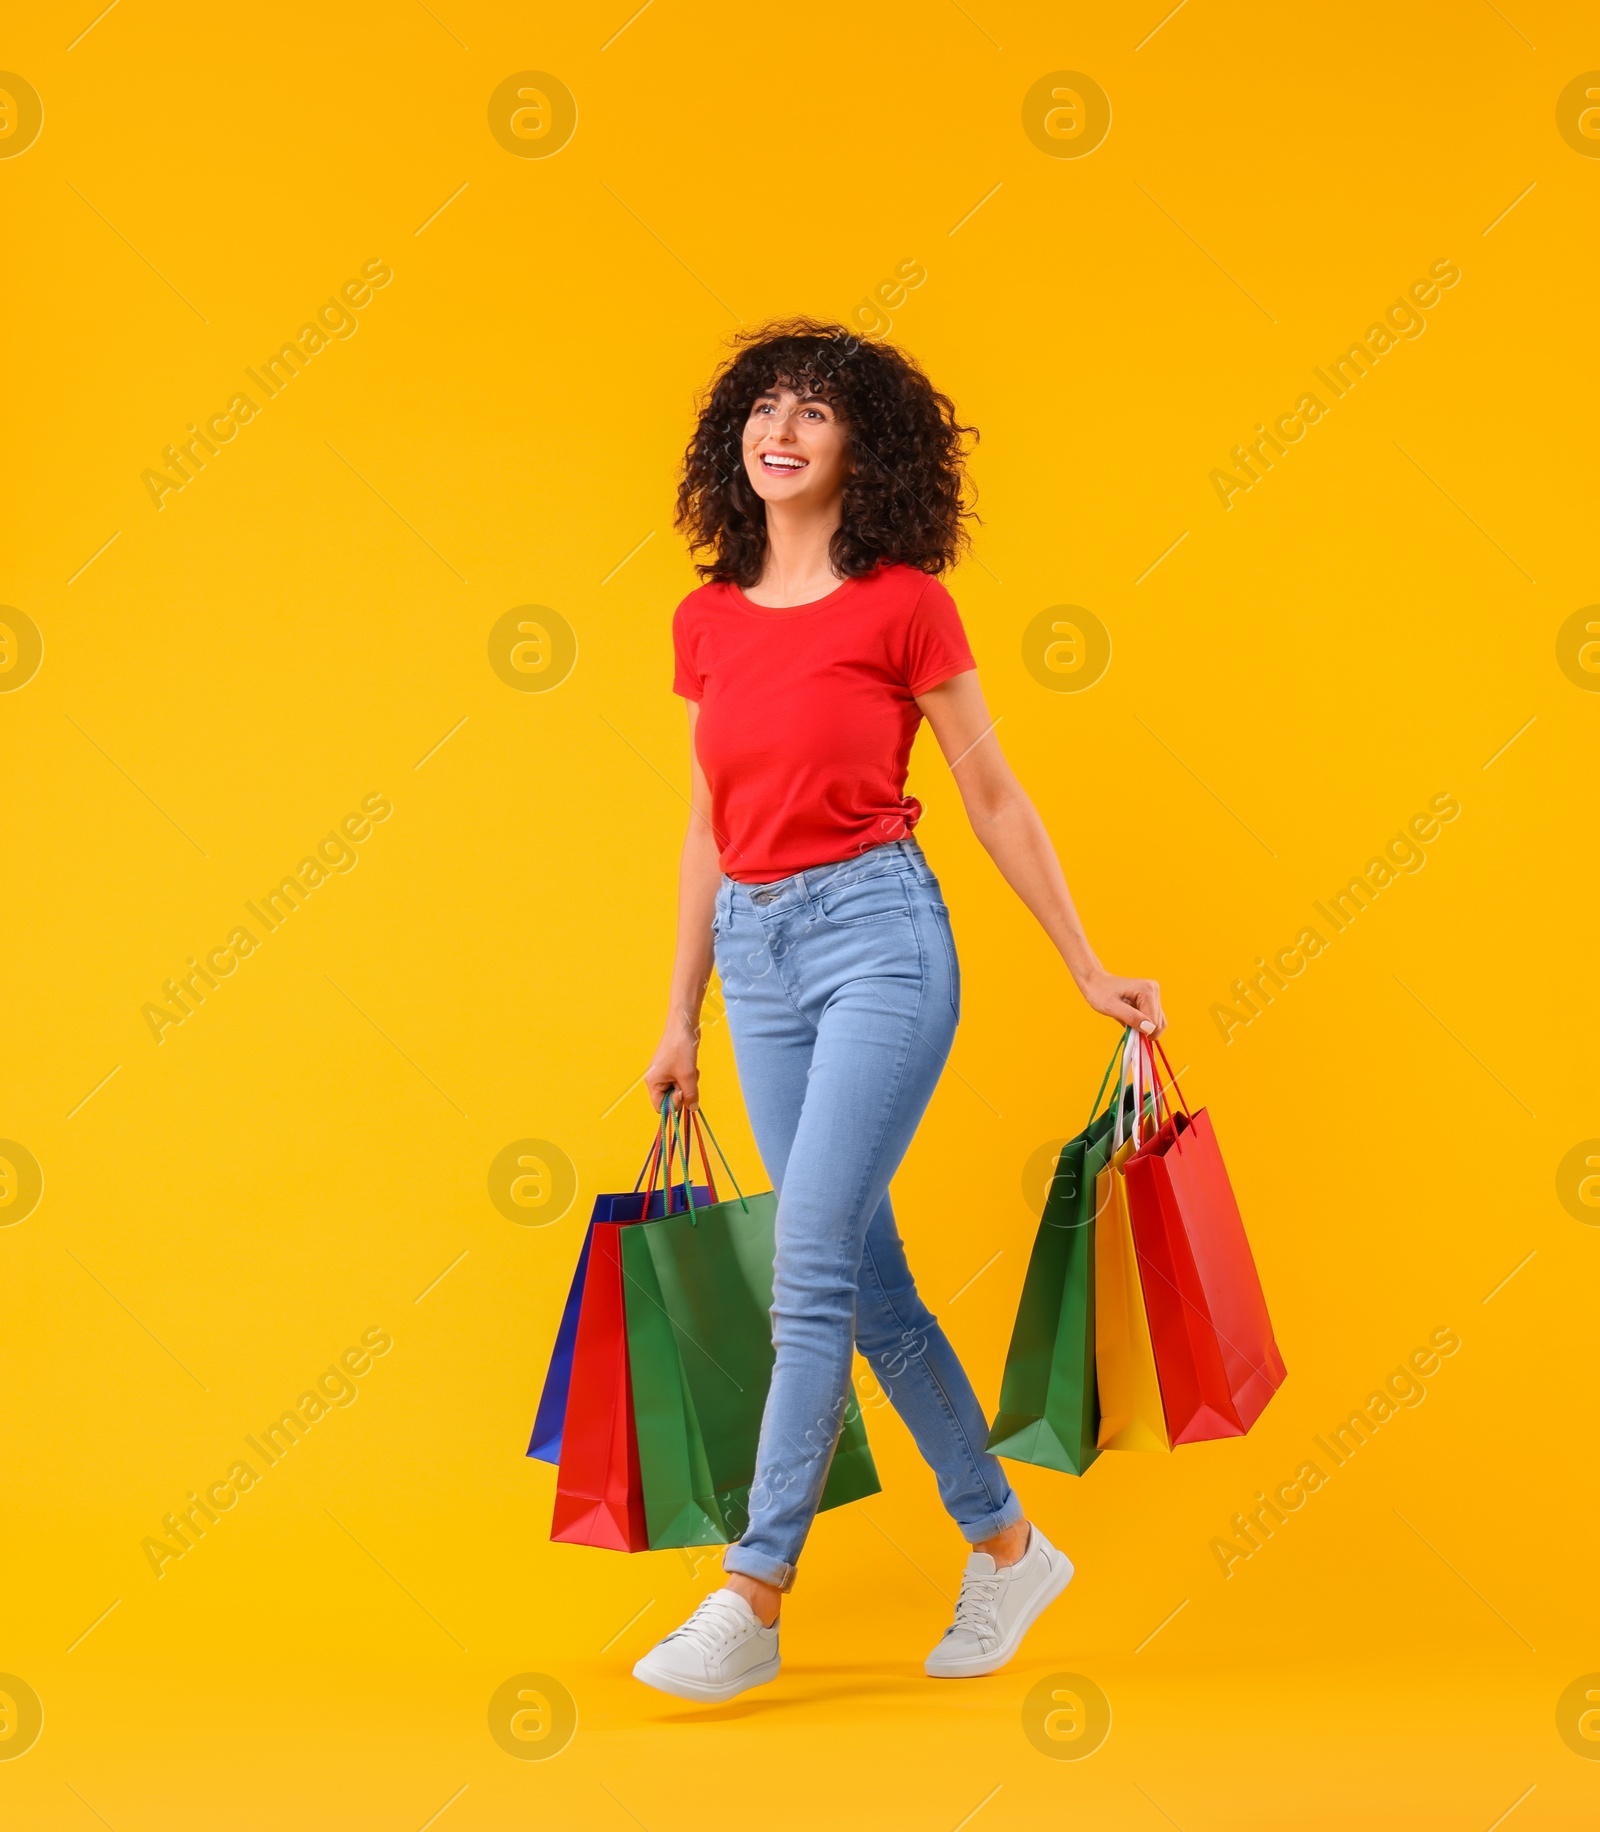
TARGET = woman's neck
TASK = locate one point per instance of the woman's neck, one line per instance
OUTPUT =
(798, 565)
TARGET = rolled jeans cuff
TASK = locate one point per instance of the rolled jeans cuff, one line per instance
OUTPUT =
(771, 1571)
(1007, 1515)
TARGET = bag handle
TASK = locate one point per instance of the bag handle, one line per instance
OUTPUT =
(1164, 1094)
(700, 1125)
(1128, 1074)
(685, 1118)
(669, 1144)
(651, 1166)
(1135, 1053)
(690, 1123)
(705, 1162)
(1116, 1056)
(673, 1138)
(1173, 1080)
(651, 1159)
(701, 1120)
(1160, 1096)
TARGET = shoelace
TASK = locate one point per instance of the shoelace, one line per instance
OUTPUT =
(714, 1624)
(976, 1606)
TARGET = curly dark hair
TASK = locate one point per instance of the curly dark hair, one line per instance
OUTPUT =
(907, 497)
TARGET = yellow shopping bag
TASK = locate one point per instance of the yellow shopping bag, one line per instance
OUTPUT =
(1131, 1413)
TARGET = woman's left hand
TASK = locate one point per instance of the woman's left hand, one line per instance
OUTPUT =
(1134, 1002)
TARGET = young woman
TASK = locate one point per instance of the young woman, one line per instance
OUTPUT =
(826, 481)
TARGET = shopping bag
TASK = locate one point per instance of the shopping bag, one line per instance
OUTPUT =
(1049, 1407)
(1131, 1411)
(599, 1500)
(1212, 1336)
(545, 1443)
(698, 1294)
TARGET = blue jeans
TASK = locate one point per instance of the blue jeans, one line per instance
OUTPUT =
(842, 993)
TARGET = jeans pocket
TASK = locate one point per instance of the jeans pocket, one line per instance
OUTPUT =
(878, 898)
(941, 921)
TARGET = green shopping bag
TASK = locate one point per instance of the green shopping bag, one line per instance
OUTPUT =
(697, 1288)
(1049, 1404)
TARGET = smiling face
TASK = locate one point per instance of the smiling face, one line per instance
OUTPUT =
(795, 448)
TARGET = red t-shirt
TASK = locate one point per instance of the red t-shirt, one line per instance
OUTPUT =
(807, 714)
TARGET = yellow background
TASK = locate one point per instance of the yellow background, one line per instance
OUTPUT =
(307, 619)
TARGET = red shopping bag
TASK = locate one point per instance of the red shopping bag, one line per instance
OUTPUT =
(599, 1493)
(599, 1499)
(1215, 1354)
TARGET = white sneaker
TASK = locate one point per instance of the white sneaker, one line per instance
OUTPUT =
(721, 1651)
(997, 1607)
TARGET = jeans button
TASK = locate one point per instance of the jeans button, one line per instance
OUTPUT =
(763, 897)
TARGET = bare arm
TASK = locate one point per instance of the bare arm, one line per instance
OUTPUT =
(1008, 824)
(676, 1061)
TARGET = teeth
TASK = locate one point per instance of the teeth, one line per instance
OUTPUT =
(788, 464)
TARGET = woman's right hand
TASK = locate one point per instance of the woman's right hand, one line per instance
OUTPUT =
(675, 1066)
